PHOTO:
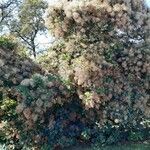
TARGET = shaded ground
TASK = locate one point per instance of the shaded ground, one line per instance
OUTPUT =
(118, 147)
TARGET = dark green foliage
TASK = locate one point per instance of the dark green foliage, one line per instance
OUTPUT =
(6, 43)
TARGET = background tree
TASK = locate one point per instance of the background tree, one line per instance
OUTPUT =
(7, 8)
(29, 23)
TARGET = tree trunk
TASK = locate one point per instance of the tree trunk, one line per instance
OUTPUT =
(34, 53)
(33, 48)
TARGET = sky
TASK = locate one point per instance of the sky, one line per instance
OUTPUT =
(51, 1)
(45, 40)
(146, 1)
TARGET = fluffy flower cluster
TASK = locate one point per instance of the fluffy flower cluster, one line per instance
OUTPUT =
(84, 17)
(104, 53)
(37, 96)
(14, 69)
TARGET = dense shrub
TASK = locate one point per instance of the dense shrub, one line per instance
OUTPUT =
(39, 95)
(13, 69)
(105, 56)
(99, 89)
(96, 54)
